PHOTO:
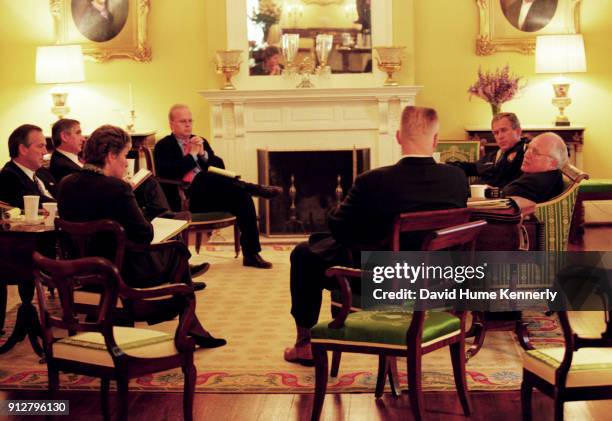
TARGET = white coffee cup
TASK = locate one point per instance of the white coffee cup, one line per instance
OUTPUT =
(478, 190)
(130, 168)
(30, 207)
(51, 208)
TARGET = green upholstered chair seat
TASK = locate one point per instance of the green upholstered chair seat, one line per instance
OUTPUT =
(386, 329)
(596, 185)
(208, 217)
(590, 366)
(461, 150)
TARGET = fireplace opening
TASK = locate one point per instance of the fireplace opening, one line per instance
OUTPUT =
(313, 182)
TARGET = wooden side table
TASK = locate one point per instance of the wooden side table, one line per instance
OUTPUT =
(572, 135)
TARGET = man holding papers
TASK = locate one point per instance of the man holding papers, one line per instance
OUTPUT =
(184, 156)
(99, 192)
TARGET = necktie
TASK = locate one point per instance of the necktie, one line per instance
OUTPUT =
(41, 187)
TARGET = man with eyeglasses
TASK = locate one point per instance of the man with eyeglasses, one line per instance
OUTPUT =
(187, 157)
(501, 167)
(542, 180)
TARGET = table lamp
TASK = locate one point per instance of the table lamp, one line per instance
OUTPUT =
(560, 54)
(59, 64)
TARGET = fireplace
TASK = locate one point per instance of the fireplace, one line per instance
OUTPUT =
(313, 182)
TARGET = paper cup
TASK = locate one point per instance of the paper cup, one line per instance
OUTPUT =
(478, 190)
(30, 207)
(51, 208)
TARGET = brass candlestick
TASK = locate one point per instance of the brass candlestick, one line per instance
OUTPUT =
(389, 61)
(228, 63)
(130, 127)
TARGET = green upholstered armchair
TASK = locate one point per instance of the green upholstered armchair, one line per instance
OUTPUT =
(556, 214)
(392, 333)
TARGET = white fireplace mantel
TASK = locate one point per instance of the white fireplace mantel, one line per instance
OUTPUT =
(304, 120)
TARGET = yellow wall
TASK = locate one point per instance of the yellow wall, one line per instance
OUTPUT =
(185, 33)
(446, 66)
(179, 33)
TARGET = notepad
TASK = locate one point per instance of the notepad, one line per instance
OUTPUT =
(490, 204)
(138, 178)
(166, 228)
(222, 172)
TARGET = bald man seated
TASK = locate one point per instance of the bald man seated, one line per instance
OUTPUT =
(542, 180)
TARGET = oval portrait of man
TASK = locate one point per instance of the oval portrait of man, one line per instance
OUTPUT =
(100, 20)
(529, 15)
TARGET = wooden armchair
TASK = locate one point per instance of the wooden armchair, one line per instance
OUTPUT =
(580, 370)
(390, 334)
(407, 226)
(200, 222)
(106, 238)
(100, 348)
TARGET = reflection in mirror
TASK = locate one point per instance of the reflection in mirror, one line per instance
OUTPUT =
(347, 21)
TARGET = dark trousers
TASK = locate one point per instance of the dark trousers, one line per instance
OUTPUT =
(214, 193)
(307, 282)
(151, 198)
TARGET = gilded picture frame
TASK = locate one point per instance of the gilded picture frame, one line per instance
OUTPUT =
(498, 32)
(127, 38)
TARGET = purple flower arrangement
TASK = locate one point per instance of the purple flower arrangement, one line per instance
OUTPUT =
(496, 87)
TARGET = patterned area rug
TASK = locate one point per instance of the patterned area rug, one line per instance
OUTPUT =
(250, 308)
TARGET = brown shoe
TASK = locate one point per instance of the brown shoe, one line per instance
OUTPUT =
(263, 191)
(256, 261)
(299, 354)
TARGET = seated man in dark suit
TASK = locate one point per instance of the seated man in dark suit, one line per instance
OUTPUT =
(364, 219)
(184, 156)
(542, 180)
(498, 168)
(24, 174)
(99, 192)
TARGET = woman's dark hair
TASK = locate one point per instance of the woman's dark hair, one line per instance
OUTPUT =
(270, 52)
(103, 140)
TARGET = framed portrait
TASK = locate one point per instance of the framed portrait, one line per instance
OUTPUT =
(512, 25)
(105, 29)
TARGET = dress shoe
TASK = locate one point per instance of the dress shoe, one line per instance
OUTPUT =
(197, 270)
(208, 341)
(263, 191)
(198, 286)
(256, 261)
(299, 354)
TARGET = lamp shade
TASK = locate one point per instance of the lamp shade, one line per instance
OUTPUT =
(59, 64)
(560, 54)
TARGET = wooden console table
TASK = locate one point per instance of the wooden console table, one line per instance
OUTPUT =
(572, 135)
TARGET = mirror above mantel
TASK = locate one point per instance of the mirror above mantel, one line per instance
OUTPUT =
(346, 21)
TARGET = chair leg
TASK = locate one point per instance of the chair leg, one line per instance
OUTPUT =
(198, 241)
(457, 352)
(236, 239)
(3, 299)
(320, 360)
(526, 392)
(123, 395)
(558, 407)
(189, 371)
(415, 391)
(53, 375)
(393, 375)
(381, 377)
(104, 387)
(335, 365)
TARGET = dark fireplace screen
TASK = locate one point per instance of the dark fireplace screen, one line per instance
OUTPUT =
(313, 182)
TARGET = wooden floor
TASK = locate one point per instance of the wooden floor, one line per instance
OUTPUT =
(354, 407)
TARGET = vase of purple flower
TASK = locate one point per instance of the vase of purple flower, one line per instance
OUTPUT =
(496, 87)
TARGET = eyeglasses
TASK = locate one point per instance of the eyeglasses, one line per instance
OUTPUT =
(185, 121)
(535, 152)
